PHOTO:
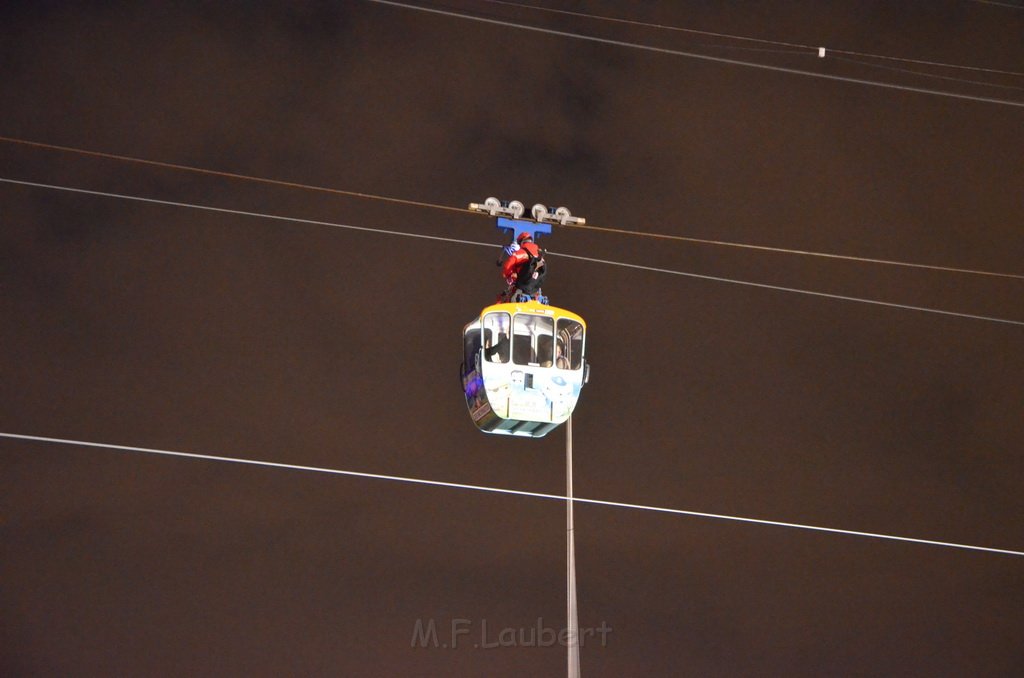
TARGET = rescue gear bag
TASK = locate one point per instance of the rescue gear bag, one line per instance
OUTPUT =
(531, 274)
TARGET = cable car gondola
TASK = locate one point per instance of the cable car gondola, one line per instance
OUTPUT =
(523, 364)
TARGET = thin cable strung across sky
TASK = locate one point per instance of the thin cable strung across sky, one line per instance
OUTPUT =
(1000, 4)
(276, 217)
(693, 55)
(783, 250)
(227, 175)
(500, 490)
(314, 222)
(590, 227)
(868, 64)
(793, 45)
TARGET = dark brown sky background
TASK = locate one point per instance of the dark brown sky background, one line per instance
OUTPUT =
(164, 327)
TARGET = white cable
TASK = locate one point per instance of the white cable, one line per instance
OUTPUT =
(1000, 4)
(795, 290)
(501, 490)
(224, 210)
(698, 276)
(589, 227)
(692, 55)
(790, 45)
(897, 69)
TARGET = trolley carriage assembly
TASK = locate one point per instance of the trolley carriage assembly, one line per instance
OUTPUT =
(524, 364)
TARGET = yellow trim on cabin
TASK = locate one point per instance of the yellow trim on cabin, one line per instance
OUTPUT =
(536, 308)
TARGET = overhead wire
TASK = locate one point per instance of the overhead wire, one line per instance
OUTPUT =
(794, 290)
(784, 250)
(608, 262)
(746, 48)
(694, 55)
(793, 45)
(415, 203)
(227, 175)
(244, 213)
(1000, 4)
(646, 24)
(922, 74)
(506, 491)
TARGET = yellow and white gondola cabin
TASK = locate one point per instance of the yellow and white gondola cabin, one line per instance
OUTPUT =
(524, 367)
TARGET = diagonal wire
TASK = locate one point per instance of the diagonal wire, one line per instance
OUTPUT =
(228, 175)
(693, 55)
(646, 24)
(729, 36)
(1000, 4)
(244, 213)
(501, 490)
(784, 250)
(795, 290)
(936, 76)
(590, 227)
(314, 222)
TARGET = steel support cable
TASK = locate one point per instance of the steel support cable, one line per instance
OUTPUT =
(1000, 4)
(795, 290)
(506, 491)
(779, 43)
(699, 276)
(228, 175)
(590, 227)
(922, 74)
(693, 55)
(647, 24)
(807, 253)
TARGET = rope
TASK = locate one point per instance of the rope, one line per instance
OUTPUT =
(501, 490)
(608, 262)
(704, 57)
(229, 175)
(729, 36)
(663, 236)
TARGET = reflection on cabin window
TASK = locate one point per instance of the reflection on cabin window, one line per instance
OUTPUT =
(569, 345)
(533, 340)
(496, 337)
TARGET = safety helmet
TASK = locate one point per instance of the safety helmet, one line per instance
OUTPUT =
(523, 237)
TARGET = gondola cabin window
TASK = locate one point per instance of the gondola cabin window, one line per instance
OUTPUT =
(569, 345)
(496, 337)
(533, 340)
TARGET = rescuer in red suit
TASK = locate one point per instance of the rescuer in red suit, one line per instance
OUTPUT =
(524, 269)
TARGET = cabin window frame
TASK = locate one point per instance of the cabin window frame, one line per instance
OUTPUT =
(575, 359)
(532, 339)
(493, 348)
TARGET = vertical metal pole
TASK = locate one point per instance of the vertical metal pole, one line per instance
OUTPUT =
(573, 621)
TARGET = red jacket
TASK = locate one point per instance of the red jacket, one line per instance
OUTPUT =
(511, 267)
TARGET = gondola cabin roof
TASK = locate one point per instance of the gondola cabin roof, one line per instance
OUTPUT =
(535, 308)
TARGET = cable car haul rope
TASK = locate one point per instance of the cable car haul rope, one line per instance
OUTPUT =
(460, 241)
(505, 210)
